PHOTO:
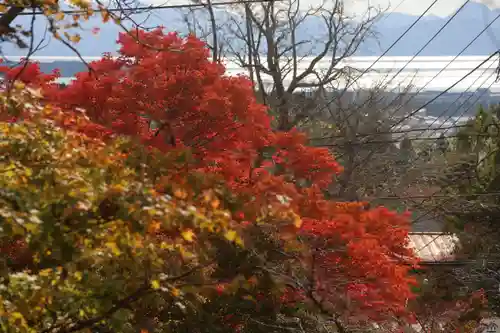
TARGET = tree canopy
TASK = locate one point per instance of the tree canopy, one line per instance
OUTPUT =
(152, 193)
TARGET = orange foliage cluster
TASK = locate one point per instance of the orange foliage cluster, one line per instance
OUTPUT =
(359, 257)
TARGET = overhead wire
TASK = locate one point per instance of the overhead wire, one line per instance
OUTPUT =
(394, 10)
(145, 8)
(436, 194)
(327, 105)
(442, 114)
(456, 126)
(443, 69)
(410, 130)
(407, 30)
(397, 140)
(429, 41)
(428, 197)
(462, 114)
(429, 127)
(437, 96)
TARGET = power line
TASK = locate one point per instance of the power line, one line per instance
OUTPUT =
(433, 99)
(392, 11)
(378, 59)
(436, 194)
(145, 8)
(458, 108)
(429, 128)
(463, 50)
(423, 129)
(396, 8)
(389, 48)
(456, 83)
(411, 130)
(399, 140)
(435, 76)
(444, 91)
(390, 132)
(469, 98)
(484, 194)
(465, 101)
(430, 41)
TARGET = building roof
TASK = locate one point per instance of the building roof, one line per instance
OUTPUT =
(434, 246)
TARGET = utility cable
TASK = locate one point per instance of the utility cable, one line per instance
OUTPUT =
(145, 8)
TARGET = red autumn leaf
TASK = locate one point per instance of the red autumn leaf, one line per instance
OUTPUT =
(180, 99)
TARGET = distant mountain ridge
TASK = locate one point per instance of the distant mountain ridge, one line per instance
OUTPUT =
(462, 29)
(468, 23)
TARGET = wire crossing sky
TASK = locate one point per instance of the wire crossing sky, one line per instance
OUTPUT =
(444, 8)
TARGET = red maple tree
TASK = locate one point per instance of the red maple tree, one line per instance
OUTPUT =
(358, 259)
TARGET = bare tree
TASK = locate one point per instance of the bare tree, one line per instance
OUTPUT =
(205, 23)
(352, 117)
(288, 48)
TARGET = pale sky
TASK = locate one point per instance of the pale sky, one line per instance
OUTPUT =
(417, 7)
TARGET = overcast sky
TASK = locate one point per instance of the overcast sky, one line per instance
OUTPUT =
(416, 7)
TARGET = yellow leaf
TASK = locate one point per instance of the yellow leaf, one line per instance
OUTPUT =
(207, 196)
(238, 241)
(175, 292)
(118, 188)
(45, 272)
(75, 38)
(19, 85)
(155, 284)
(78, 276)
(59, 16)
(114, 248)
(297, 221)
(166, 246)
(230, 235)
(22, 180)
(180, 193)
(17, 318)
(36, 258)
(188, 235)
(105, 15)
(215, 203)
(80, 3)
(16, 315)
(154, 227)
